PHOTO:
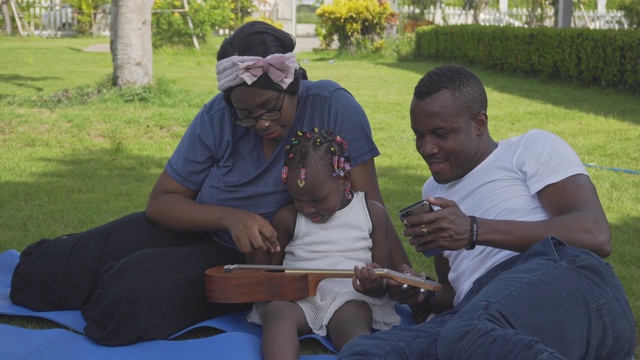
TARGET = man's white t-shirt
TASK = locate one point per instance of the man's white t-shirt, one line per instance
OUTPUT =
(504, 186)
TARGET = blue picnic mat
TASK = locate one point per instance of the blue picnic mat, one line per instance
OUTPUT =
(241, 339)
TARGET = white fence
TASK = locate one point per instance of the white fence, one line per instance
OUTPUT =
(52, 18)
(447, 15)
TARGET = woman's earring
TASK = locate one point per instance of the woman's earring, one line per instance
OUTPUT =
(347, 192)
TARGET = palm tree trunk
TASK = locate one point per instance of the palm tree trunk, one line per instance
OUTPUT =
(131, 49)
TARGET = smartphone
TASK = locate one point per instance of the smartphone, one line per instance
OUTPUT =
(421, 207)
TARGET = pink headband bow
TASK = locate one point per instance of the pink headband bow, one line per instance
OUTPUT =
(236, 70)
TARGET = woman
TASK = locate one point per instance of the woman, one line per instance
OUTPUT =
(141, 277)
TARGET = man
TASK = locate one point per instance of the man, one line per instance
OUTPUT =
(522, 228)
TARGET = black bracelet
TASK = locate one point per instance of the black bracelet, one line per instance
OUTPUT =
(474, 234)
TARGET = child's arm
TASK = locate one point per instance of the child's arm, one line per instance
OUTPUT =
(380, 248)
(283, 222)
(368, 282)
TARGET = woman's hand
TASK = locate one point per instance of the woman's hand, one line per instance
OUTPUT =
(251, 232)
(367, 282)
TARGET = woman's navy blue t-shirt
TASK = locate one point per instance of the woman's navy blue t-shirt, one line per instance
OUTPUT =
(225, 162)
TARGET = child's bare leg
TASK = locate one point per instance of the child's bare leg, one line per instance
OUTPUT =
(352, 319)
(282, 323)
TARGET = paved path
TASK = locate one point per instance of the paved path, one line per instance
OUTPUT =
(306, 43)
(97, 48)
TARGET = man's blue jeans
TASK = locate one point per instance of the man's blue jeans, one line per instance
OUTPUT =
(551, 302)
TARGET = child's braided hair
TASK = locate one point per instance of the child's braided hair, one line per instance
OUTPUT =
(321, 143)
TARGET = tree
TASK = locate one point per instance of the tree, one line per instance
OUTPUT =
(6, 15)
(131, 49)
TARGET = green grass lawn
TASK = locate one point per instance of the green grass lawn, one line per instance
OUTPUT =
(75, 153)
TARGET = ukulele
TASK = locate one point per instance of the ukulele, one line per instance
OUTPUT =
(252, 283)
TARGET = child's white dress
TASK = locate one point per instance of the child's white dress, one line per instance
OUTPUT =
(340, 243)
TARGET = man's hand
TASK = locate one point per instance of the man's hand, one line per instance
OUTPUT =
(446, 228)
(412, 296)
(401, 293)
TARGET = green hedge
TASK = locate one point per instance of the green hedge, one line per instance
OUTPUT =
(606, 58)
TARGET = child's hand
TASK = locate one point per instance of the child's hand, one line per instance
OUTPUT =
(367, 282)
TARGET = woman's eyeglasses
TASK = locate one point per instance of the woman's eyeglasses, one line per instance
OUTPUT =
(269, 115)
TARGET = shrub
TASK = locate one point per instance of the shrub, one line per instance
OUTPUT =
(631, 10)
(172, 28)
(358, 25)
(605, 58)
(404, 46)
(86, 12)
